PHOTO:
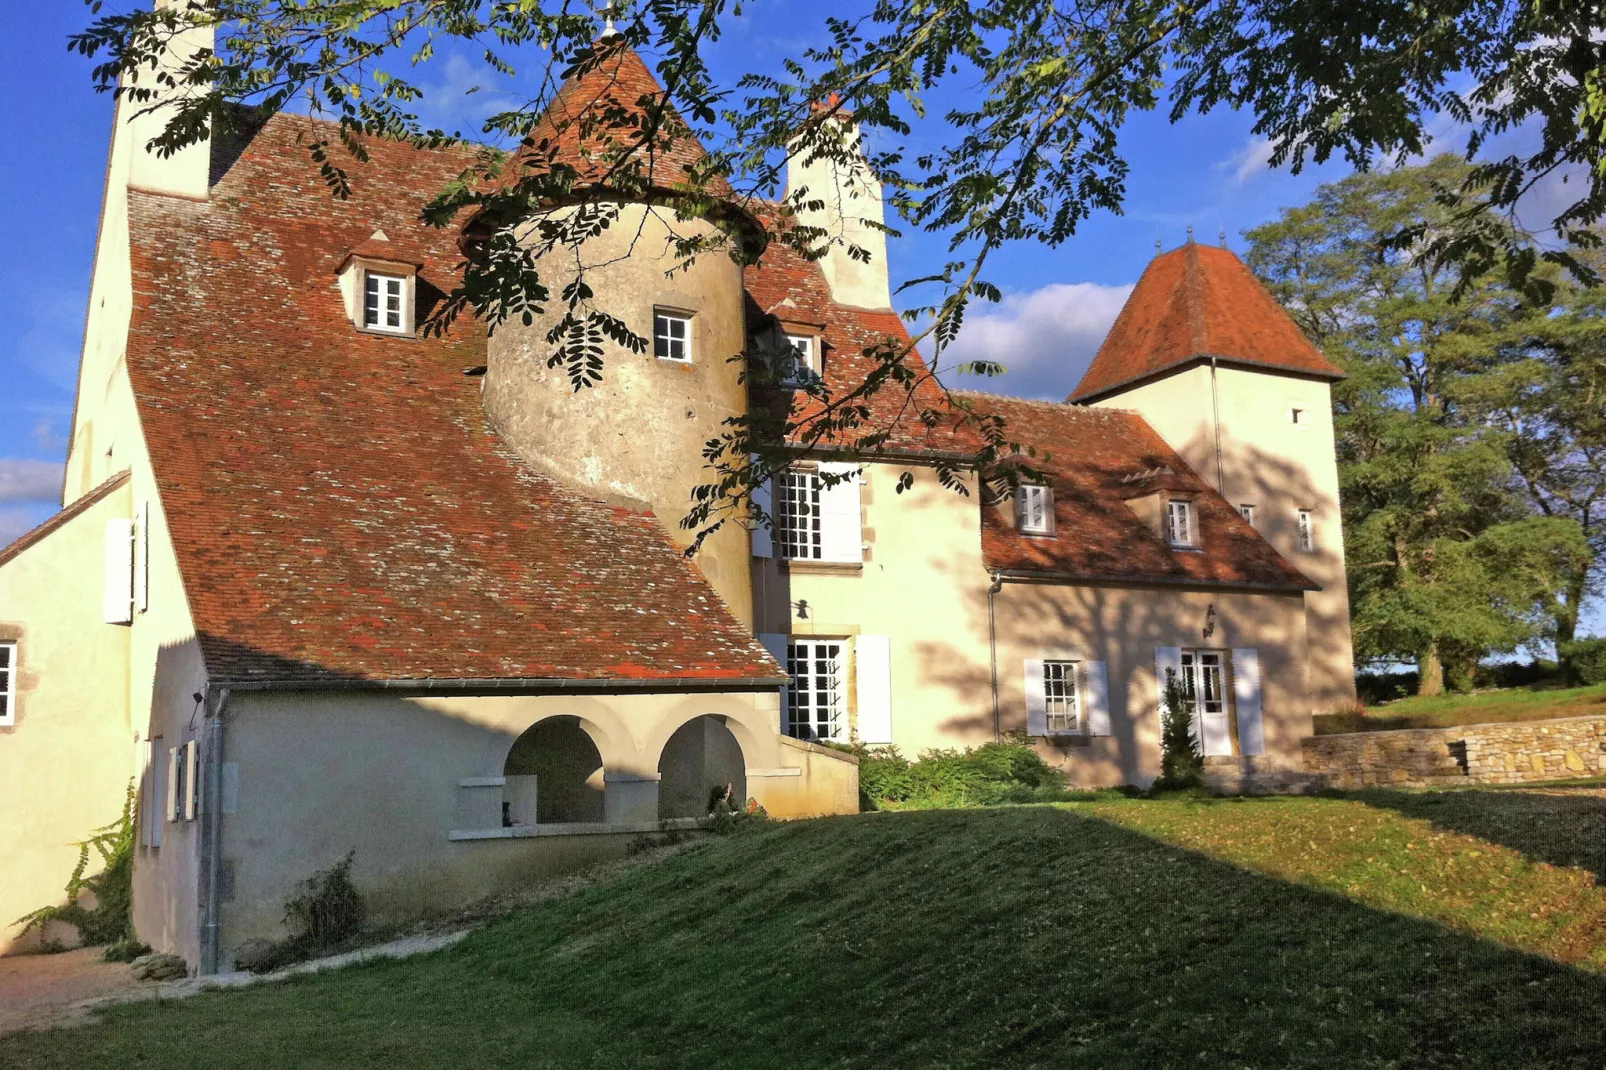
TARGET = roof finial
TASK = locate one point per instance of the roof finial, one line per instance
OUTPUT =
(1223, 235)
(1190, 233)
(608, 29)
(1157, 246)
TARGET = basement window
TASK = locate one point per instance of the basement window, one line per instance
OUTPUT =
(671, 335)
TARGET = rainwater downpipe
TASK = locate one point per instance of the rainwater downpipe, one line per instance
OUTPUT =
(218, 698)
(992, 647)
(1215, 415)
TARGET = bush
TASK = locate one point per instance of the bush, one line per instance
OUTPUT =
(1181, 760)
(327, 912)
(1584, 660)
(1009, 771)
(1376, 688)
(1510, 674)
(111, 920)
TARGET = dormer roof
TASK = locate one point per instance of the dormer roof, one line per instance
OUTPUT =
(1191, 304)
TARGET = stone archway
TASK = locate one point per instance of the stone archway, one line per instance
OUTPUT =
(702, 755)
(554, 774)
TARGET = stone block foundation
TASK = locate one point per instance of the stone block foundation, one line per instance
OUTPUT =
(1509, 753)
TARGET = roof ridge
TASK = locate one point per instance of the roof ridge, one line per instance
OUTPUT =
(72, 510)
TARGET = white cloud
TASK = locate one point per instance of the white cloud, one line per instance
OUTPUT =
(23, 481)
(18, 520)
(1248, 161)
(1045, 339)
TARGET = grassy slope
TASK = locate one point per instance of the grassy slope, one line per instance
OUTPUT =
(1514, 704)
(1382, 930)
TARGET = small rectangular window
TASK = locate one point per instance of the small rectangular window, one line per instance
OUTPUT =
(816, 701)
(1034, 513)
(671, 336)
(1179, 523)
(1307, 531)
(800, 359)
(8, 684)
(382, 302)
(1247, 511)
(1296, 416)
(1061, 705)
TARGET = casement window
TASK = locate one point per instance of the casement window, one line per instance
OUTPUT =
(817, 700)
(1247, 511)
(1305, 531)
(8, 684)
(1179, 527)
(1034, 509)
(1066, 696)
(384, 303)
(800, 359)
(183, 789)
(1208, 677)
(818, 515)
(671, 335)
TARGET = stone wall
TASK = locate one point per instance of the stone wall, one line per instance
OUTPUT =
(1482, 754)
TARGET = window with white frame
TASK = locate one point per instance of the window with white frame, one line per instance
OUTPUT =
(800, 360)
(183, 774)
(1061, 702)
(1179, 522)
(801, 528)
(1305, 537)
(1204, 680)
(1247, 511)
(8, 683)
(816, 701)
(671, 335)
(384, 302)
(1034, 509)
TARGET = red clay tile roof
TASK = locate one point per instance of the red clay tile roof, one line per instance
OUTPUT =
(1096, 460)
(339, 506)
(1198, 301)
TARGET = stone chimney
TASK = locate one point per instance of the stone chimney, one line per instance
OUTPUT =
(851, 197)
(185, 173)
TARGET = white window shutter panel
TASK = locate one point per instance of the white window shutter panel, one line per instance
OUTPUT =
(192, 791)
(158, 791)
(118, 594)
(170, 796)
(1246, 692)
(775, 643)
(763, 536)
(842, 535)
(873, 657)
(1036, 707)
(1165, 658)
(1097, 698)
(142, 557)
(147, 794)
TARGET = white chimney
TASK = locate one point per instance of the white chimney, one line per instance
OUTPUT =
(850, 196)
(186, 172)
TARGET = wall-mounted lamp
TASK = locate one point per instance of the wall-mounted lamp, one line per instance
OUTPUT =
(1210, 621)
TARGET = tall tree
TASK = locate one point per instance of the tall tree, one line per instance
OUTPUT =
(1446, 557)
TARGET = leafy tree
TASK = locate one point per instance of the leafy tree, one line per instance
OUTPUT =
(1031, 151)
(1446, 557)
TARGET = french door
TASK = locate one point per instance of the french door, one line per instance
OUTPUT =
(1204, 673)
(817, 699)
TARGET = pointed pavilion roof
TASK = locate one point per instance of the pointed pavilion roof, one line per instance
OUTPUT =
(1193, 303)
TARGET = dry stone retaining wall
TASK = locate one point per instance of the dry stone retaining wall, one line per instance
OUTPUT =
(1481, 753)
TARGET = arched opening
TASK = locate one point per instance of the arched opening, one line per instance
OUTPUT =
(554, 774)
(701, 757)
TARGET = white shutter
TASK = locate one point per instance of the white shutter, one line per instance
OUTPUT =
(118, 595)
(1097, 698)
(192, 789)
(170, 796)
(1165, 657)
(142, 557)
(873, 666)
(1036, 707)
(763, 536)
(1246, 691)
(775, 643)
(157, 791)
(841, 537)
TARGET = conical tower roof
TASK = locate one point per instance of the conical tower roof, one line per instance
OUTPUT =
(1194, 303)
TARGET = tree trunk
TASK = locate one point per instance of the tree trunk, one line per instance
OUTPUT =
(1430, 672)
(1567, 615)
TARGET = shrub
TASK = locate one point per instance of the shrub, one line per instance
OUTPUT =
(1584, 660)
(325, 913)
(1375, 688)
(1181, 760)
(1008, 771)
(1516, 674)
(111, 919)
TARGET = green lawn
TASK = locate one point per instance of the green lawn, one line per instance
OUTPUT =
(1514, 704)
(1386, 929)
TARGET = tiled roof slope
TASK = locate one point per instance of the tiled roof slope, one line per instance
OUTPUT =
(339, 506)
(1192, 302)
(787, 286)
(1096, 460)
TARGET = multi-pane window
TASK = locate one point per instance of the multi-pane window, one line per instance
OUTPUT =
(1061, 706)
(800, 360)
(8, 683)
(1203, 677)
(1179, 523)
(816, 701)
(1247, 511)
(671, 335)
(1306, 530)
(801, 524)
(1034, 513)
(382, 308)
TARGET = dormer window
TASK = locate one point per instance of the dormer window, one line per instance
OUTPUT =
(1034, 509)
(1179, 528)
(801, 357)
(384, 302)
(671, 335)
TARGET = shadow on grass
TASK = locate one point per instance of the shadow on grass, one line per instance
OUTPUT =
(1562, 826)
(1029, 936)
